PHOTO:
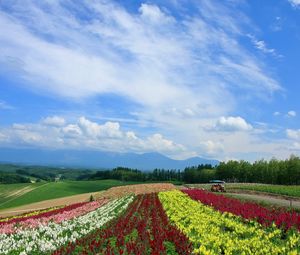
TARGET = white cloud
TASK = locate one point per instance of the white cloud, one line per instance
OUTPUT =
(296, 146)
(212, 148)
(178, 71)
(109, 129)
(5, 106)
(30, 137)
(109, 136)
(288, 114)
(71, 131)
(123, 54)
(86, 134)
(153, 13)
(277, 24)
(291, 114)
(261, 45)
(131, 135)
(159, 143)
(293, 134)
(295, 3)
(54, 121)
(19, 126)
(3, 137)
(232, 124)
(22, 135)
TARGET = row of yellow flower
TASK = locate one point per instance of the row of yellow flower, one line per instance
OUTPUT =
(213, 232)
(32, 213)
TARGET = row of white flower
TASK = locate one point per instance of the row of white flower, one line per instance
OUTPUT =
(48, 238)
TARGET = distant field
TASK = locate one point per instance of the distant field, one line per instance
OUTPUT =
(12, 195)
(275, 189)
(9, 192)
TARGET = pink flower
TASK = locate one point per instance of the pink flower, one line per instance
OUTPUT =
(57, 216)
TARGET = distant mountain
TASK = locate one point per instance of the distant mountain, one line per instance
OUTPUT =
(97, 159)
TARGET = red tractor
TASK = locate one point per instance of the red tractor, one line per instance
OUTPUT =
(217, 186)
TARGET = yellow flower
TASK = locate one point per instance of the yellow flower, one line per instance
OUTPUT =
(212, 232)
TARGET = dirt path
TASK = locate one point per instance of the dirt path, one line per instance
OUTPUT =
(46, 204)
(268, 199)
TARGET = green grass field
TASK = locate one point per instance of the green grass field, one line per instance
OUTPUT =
(293, 191)
(286, 190)
(50, 190)
(9, 192)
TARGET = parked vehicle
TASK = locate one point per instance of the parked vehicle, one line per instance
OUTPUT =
(217, 186)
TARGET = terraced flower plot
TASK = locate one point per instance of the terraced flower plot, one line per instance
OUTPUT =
(162, 222)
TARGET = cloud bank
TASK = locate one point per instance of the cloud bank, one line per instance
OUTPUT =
(56, 133)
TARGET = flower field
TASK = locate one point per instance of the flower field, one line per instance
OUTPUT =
(56, 216)
(214, 232)
(251, 211)
(143, 229)
(28, 214)
(47, 238)
(166, 221)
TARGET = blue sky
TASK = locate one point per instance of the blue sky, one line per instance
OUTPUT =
(217, 79)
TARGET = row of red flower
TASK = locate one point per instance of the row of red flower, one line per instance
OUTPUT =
(143, 229)
(252, 211)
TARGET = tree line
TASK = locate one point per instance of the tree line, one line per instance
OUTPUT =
(272, 171)
(195, 174)
(128, 174)
(9, 178)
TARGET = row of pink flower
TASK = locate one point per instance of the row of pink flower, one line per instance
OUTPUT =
(42, 214)
(63, 215)
(247, 210)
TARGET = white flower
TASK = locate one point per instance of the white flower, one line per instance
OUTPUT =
(49, 237)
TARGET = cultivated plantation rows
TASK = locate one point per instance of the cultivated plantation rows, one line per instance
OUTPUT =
(215, 232)
(153, 219)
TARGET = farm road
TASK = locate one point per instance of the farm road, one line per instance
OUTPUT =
(267, 199)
